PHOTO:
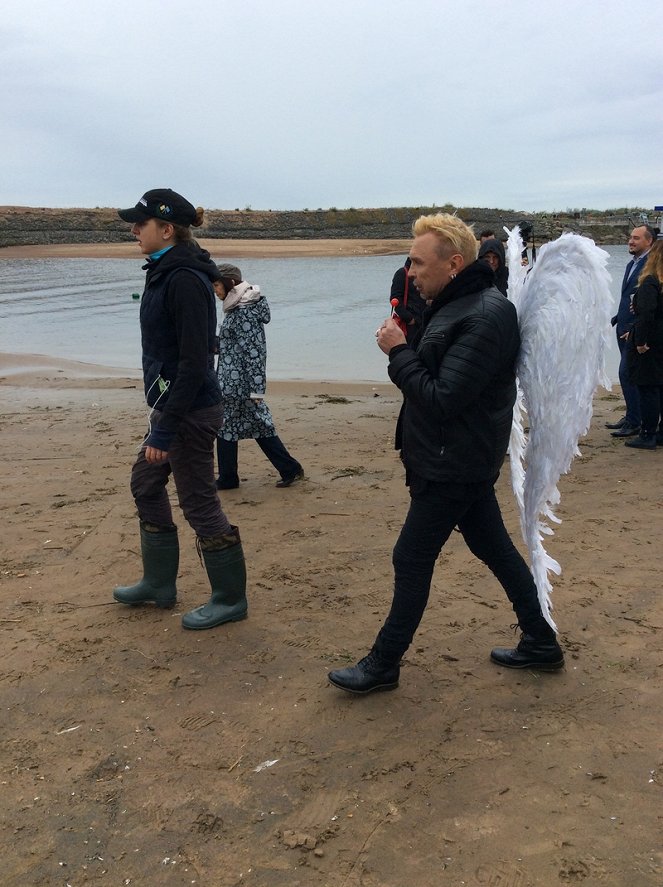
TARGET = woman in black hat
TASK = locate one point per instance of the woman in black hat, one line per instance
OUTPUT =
(178, 325)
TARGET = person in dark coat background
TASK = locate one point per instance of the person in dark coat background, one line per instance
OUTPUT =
(411, 306)
(639, 244)
(645, 355)
(492, 252)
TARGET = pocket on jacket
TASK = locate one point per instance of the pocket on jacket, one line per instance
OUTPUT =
(152, 369)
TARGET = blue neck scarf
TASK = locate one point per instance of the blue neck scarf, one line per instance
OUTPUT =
(159, 253)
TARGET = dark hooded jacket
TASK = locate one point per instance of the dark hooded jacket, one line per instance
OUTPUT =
(459, 385)
(178, 326)
(647, 368)
(502, 273)
(410, 306)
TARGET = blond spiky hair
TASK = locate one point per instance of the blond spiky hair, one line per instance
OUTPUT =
(454, 235)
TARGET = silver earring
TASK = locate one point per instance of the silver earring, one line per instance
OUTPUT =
(453, 276)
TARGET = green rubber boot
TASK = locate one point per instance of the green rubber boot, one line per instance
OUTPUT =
(226, 570)
(161, 559)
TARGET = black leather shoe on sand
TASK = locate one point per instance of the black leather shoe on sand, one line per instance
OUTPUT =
(614, 426)
(531, 652)
(643, 442)
(289, 481)
(626, 431)
(369, 674)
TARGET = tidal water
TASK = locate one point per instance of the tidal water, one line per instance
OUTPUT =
(324, 311)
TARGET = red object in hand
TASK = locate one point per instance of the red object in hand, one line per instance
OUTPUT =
(399, 322)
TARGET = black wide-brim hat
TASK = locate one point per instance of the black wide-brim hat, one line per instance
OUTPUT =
(161, 203)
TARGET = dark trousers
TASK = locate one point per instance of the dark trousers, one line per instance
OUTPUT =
(272, 447)
(651, 407)
(191, 462)
(432, 516)
(629, 390)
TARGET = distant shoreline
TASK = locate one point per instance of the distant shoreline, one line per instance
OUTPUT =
(218, 248)
(291, 233)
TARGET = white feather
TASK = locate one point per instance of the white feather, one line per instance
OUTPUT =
(517, 274)
(564, 306)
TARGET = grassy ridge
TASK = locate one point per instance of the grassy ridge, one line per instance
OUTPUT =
(38, 225)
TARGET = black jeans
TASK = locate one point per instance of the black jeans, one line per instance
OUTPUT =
(435, 509)
(191, 462)
(651, 407)
(272, 447)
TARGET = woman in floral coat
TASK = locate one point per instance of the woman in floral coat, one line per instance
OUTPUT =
(241, 371)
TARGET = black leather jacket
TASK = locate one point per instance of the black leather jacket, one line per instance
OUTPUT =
(459, 384)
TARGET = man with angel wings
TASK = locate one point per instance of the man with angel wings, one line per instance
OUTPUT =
(462, 408)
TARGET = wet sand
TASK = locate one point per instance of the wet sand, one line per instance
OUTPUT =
(134, 752)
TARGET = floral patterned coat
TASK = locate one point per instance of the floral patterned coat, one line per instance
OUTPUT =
(242, 371)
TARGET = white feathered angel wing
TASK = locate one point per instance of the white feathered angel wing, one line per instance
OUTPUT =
(517, 274)
(564, 308)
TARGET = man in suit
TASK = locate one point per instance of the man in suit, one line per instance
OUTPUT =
(639, 244)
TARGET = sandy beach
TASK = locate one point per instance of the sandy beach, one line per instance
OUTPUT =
(134, 752)
(223, 249)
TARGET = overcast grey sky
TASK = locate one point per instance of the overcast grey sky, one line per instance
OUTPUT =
(304, 104)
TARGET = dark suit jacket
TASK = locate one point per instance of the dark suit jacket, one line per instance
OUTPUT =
(624, 318)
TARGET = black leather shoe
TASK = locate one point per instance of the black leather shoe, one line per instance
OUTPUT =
(369, 674)
(531, 652)
(289, 481)
(643, 442)
(614, 426)
(626, 431)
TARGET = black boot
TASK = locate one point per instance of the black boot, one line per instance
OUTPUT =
(645, 441)
(536, 650)
(226, 570)
(161, 557)
(373, 672)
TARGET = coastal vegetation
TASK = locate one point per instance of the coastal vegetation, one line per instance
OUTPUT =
(20, 226)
